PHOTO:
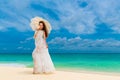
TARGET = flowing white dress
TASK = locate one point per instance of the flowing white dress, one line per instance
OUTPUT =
(42, 60)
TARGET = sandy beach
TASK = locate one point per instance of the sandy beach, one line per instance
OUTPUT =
(23, 73)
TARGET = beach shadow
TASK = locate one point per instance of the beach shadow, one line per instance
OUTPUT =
(31, 73)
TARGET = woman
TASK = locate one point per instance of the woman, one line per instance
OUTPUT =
(41, 57)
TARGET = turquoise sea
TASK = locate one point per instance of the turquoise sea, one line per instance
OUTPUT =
(106, 62)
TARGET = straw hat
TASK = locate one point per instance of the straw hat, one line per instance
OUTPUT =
(35, 23)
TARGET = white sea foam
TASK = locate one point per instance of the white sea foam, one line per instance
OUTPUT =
(12, 64)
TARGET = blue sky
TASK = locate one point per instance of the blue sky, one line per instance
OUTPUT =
(78, 26)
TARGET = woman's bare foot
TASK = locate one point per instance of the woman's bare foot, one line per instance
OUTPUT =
(35, 73)
(48, 72)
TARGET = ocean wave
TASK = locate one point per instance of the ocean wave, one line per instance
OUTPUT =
(12, 64)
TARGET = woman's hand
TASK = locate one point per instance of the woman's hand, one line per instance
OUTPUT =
(34, 36)
(46, 45)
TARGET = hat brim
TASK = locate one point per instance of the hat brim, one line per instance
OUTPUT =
(35, 23)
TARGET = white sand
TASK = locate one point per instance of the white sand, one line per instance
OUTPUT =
(20, 73)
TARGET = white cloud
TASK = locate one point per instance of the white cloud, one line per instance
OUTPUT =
(108, 12)
(16, 14)
(2, 28)
(80, 20)
(69, 16)
(27, 48)
(19, 47)
(75, 19)
(72, 17)
(78, 43)
(4, 48)
(26, 40)
(20, 5)
(23, 48)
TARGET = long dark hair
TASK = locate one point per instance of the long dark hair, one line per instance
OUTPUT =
(44, 28)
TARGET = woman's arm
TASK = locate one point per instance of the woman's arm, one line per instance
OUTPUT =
(35, 34)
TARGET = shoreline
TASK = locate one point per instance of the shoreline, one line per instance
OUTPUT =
(23, 73)
(89, 71)
(18, 65)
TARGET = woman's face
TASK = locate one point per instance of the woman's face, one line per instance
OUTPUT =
(40, 26)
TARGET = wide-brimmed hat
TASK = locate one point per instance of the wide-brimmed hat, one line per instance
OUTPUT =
(35, 23)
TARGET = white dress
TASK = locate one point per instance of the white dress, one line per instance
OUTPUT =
(42, 60)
